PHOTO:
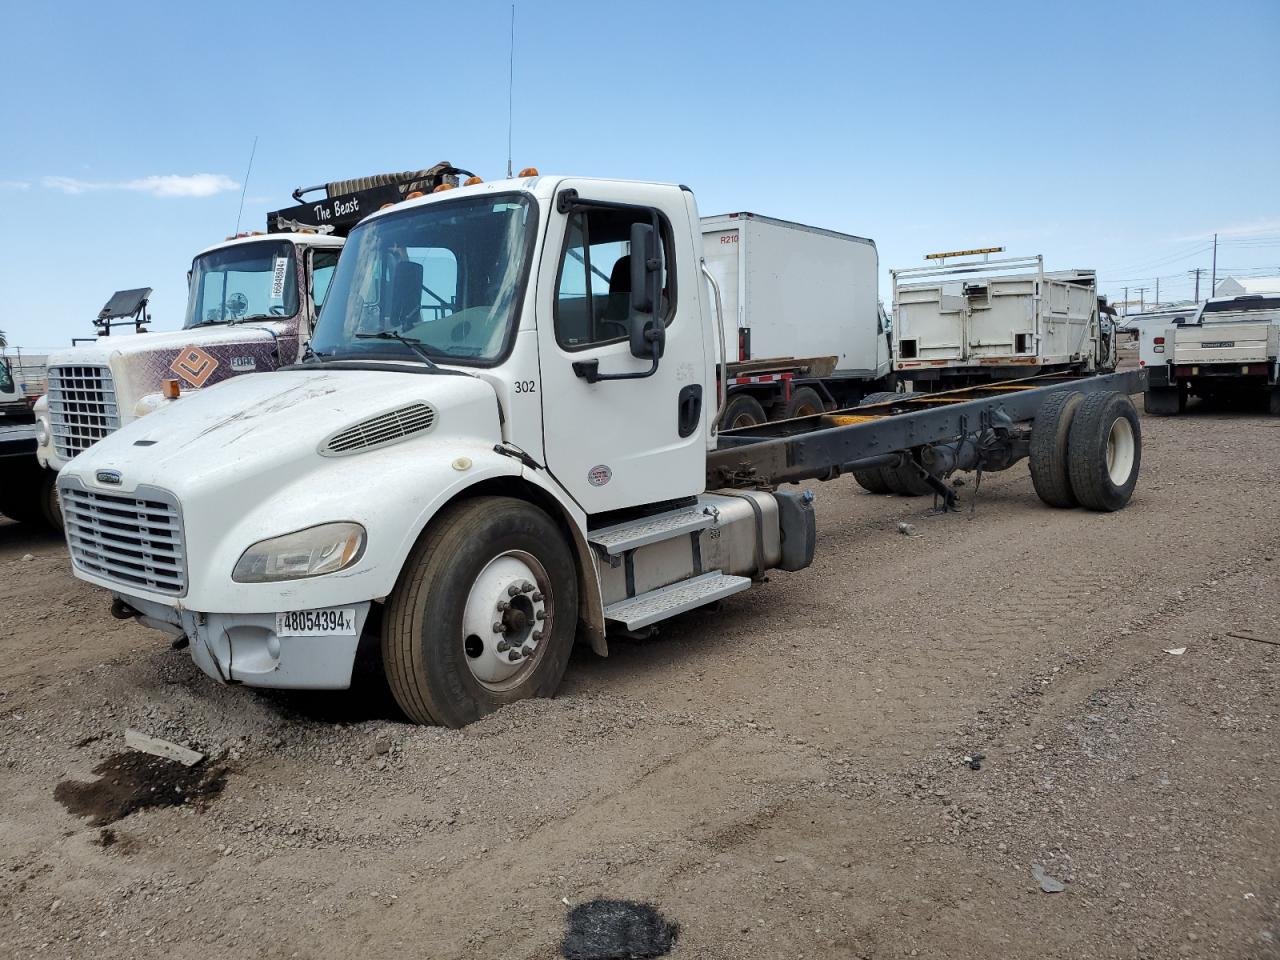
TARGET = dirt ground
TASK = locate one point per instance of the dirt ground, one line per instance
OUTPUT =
(783, 777)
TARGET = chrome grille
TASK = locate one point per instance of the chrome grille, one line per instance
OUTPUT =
(381, 430)
(82, 407)
(135, 540)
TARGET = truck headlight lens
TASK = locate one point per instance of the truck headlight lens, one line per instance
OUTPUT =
(42, 433)
(313, 552)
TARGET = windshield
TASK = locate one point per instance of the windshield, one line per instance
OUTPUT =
(447, 275)
(246, 281)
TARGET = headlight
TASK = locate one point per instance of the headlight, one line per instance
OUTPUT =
(307, 553)
(42, 433)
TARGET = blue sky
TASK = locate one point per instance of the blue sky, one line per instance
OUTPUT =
(1114, 135)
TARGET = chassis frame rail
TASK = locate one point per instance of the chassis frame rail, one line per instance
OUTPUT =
(824, 446)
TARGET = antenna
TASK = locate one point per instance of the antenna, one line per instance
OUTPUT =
(245, 186)
(511, 70)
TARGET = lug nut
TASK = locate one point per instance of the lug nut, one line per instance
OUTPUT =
(526, 587)
(512, 590)
(537, 596)
(503, 646)
(527, 651)
(497, 627)
(537, 635)
(513, 656)
(502, 604)
(541, 614)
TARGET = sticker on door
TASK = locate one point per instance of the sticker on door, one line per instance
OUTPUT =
(599, 475)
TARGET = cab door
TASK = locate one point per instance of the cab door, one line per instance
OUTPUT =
(620, 443)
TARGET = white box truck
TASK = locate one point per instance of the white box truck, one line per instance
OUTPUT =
(482, 484)
(975, 321)
(1230, 349)
(806, 331)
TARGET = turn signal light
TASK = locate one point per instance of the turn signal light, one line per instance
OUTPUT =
(528, 172)
(472, 181)
(170, 389)
(443, 187)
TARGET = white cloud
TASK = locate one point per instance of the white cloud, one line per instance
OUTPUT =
(1265, 226)
(14, 185)
(169, 185)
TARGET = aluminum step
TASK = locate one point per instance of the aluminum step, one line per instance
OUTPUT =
(636, 612)
(618, 539)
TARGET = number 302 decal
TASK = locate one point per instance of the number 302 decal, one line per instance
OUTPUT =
(525, 386)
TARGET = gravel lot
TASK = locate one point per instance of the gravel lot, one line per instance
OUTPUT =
(783, 777)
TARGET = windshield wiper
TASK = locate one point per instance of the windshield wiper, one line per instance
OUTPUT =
(414, 345)
(255, 316)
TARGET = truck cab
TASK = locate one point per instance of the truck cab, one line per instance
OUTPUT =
(252, 306)
(1229, 349)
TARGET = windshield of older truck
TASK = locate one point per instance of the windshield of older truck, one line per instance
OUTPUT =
(447, 277)
(247, 281)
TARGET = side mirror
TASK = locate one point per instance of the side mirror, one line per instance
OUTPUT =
(648, 333)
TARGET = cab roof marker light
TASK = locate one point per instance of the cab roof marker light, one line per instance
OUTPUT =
(414, 195)
(472, 181)
(528, 172)
(443, 187)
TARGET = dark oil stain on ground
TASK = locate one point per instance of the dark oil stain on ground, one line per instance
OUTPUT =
(617, 930)
(132, 781)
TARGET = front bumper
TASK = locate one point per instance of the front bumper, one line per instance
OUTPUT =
(244, 648)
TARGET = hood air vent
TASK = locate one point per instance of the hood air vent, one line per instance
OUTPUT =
(386, 428)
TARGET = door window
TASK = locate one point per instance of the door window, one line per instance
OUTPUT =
(593, 293)
(322, 264)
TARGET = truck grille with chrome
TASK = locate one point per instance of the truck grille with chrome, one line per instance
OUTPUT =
(132, 540)
(82, 407)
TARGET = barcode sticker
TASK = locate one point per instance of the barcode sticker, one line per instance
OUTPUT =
(277, 281)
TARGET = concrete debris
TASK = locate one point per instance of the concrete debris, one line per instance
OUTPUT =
(137, 740)
(1047, 883)
(1176, 651)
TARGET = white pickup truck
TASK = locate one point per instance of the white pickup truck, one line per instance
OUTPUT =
(487, 457)
(1230, 349)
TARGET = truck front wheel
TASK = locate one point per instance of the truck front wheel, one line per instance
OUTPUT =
(1105, 448)
(484, 613)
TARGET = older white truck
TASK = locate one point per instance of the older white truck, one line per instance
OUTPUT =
(974, 321)
(486, 458)
(1229, 349)
(252, 305)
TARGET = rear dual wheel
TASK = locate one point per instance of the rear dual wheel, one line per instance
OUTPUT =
(1086, 450)
(877, 480)
(484, 613)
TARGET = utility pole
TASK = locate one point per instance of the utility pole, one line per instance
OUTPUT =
(1196, 273)
(1157, 292)
(1142, 300)
(1213, 282)
(1126, 301)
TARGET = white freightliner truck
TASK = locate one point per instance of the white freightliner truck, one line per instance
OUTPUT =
(252, 305)
(975, 321)
(486, 457)
(1230, 348)
(805, 328)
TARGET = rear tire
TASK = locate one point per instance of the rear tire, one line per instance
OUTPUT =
(432, 656)
(1274, 403)
(50, 505)
(743, 410)
(1050, 466)
(905, 479)
(874, 480)
(1105, 450)
(1164, 401)
(804, 402)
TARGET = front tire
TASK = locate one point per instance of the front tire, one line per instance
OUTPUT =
(1105, 448)
(492, 579)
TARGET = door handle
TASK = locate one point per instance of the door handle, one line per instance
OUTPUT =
(689, 408)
